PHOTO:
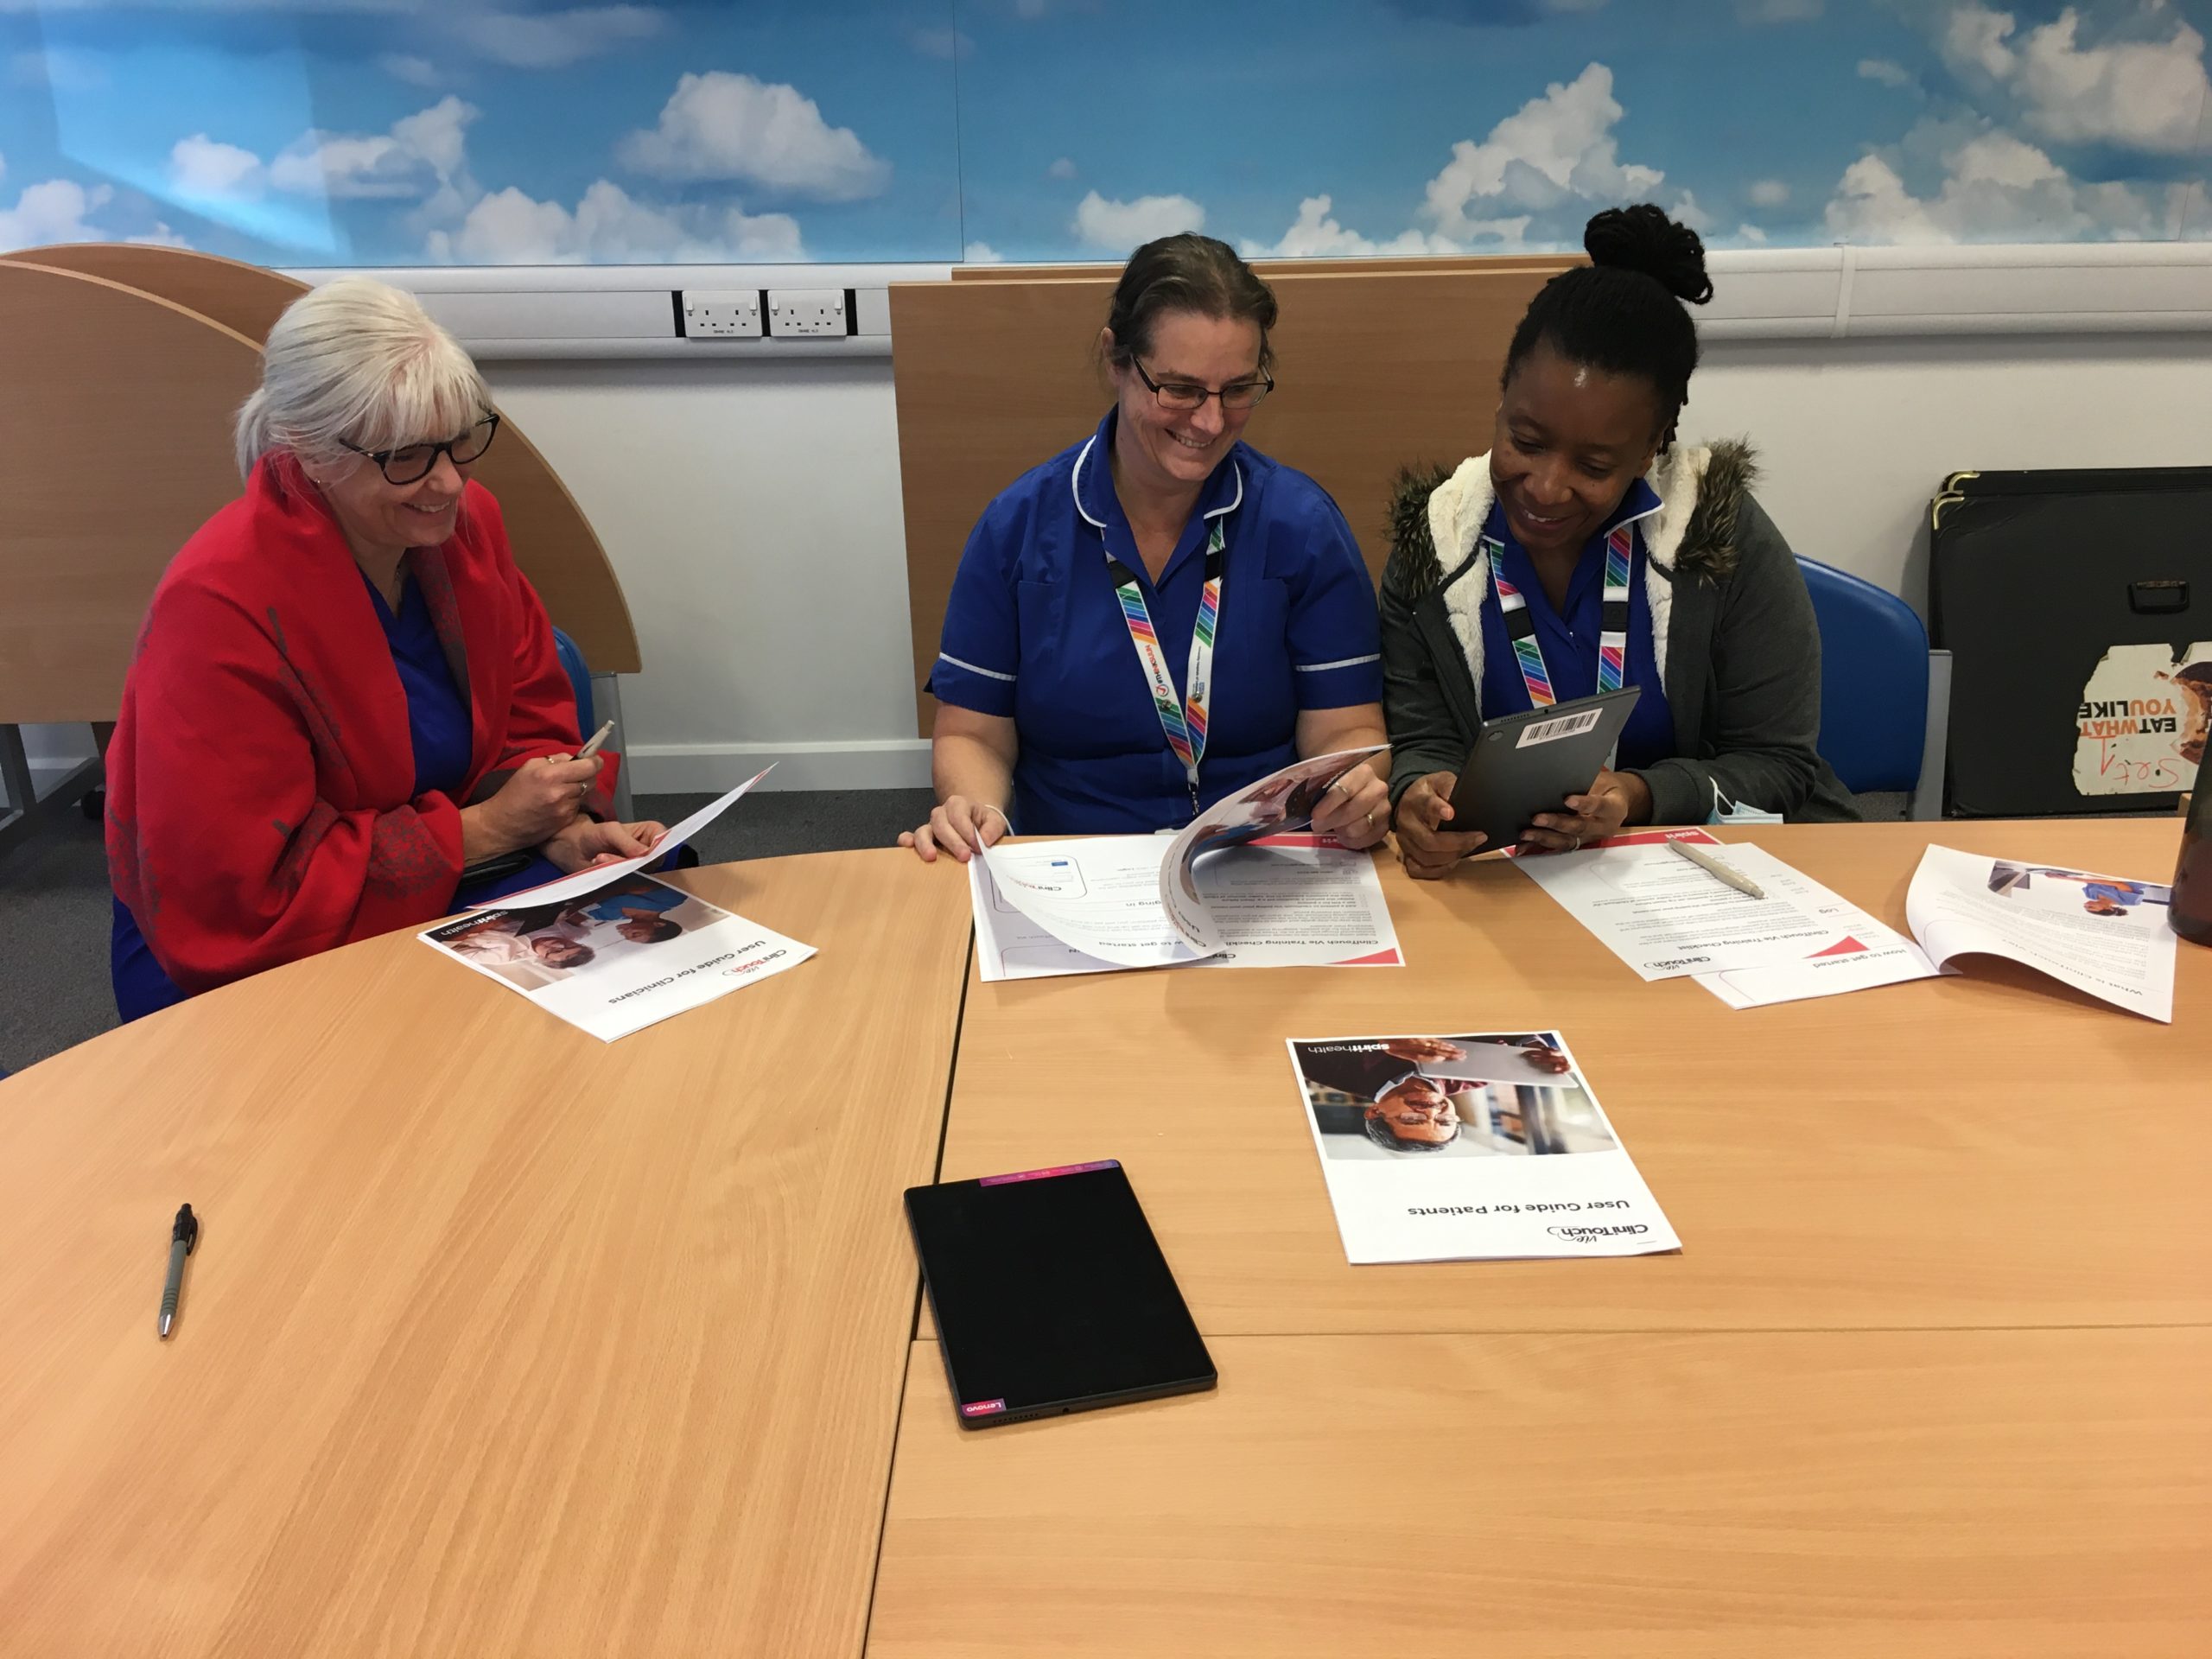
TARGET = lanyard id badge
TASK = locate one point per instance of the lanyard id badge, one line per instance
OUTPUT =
(1183, 721)
(1613, 636)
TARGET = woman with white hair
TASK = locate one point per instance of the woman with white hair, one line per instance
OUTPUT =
(345, 695)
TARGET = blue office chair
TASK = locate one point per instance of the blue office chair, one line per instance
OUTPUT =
(579, 672)
(1876, 678)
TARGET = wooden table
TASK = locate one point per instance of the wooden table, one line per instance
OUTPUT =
(1991, 1150)
(502, 1341)
(1806, 1494)
(1929, 1375)
(499, 1340)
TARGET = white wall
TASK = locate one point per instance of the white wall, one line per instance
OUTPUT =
(1856, 435)
(753, 510)
(752, 515)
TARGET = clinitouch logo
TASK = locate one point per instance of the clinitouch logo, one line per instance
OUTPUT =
(981, 1408)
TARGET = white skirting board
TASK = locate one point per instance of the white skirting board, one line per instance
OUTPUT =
(704, 768)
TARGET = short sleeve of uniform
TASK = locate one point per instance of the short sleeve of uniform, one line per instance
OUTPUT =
(980, 650)
(1336, 638)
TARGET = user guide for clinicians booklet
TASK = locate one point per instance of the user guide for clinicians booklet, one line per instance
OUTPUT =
(612, 949)
(1244, 886)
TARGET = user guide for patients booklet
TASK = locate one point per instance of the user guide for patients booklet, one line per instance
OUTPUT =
(1487, 1145)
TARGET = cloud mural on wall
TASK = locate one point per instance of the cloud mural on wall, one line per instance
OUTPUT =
(401, 131)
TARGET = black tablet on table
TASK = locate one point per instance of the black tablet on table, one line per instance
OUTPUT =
(1051, 1296)
(1524, 764)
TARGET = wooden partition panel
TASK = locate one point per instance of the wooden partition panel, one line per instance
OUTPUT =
(553, 541)
(1376, 368)
(119, 446)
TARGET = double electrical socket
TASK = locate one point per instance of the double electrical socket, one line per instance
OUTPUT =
(754, 314)
(802, 312)
(734, 315)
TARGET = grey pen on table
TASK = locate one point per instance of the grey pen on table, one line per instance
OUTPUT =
(183, 1237)
(1707, 861)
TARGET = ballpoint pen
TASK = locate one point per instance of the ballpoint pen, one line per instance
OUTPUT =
(1705, 860)
(182, 1237)
(597, 738)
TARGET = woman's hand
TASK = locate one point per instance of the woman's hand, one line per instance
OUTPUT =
(1355, 809)
(540, 799)
(1428, 850)
(587, 842)
(959, 827)
(1615, 798)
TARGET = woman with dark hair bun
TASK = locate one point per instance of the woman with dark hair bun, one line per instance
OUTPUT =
(1160, 614)
(1587, 551)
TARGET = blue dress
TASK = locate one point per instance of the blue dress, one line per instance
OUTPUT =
(438, 725)
(1568, 637)
(1033, 631)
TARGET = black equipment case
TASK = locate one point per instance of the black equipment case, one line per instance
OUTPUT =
(2035, 576)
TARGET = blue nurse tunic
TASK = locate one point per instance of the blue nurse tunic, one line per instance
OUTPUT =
(1034, 631)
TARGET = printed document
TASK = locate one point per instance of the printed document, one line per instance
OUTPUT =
(1667, 917)
(1864, 954)
(626, 955)
(1281, 901)
(1104, 902)
(592, 879)
(1485, 1147)
(2106, 934)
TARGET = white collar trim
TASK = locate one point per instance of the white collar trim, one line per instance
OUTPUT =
(1075, 487)
(1075, 483)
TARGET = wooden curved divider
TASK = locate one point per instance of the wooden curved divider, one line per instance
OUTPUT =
(118, 415)
(553, 541)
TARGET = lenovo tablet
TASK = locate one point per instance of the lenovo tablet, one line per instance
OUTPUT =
(1051, 1295)
(1525, 764)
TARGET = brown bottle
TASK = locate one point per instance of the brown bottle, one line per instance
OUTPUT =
(2192, 904)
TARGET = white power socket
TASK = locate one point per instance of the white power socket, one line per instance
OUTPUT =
(733, 315)
(801, 312)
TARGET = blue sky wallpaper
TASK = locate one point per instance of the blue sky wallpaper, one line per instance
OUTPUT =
(392, 132)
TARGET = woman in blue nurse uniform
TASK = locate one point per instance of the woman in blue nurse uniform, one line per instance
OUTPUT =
(1158, 615)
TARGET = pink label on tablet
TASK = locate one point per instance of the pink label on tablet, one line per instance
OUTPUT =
(981, 1408)
(1046, 1174)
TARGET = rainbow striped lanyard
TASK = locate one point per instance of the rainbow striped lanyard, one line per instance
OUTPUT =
(1183, 721)
(1612, 637)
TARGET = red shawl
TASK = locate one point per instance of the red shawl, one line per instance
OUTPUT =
(260, 782)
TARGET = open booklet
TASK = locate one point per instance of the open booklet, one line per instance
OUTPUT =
(1102, 902)
(613, 950)
(2108, 935)
(1487, 1147)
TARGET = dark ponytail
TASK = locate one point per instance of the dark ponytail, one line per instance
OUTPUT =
(1185, 272)
(1623, 313)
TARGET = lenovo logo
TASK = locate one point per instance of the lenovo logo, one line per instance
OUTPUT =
(981, 1408)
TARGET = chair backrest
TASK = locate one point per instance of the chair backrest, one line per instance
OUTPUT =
(1873, 681)
(579, 673)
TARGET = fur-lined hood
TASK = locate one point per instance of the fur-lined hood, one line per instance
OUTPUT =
(1437, 513)
(1437, 517)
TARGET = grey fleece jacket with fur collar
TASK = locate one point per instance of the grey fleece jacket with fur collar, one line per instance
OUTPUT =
(1737, 648)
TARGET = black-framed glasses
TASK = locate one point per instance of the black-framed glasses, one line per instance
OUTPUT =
(1182, 394)
(412, 464)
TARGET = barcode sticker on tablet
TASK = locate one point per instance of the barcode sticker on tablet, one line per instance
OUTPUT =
(1545, 731)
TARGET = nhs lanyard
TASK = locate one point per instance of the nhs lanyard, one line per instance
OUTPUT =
(1612, 638)
(1183, 722)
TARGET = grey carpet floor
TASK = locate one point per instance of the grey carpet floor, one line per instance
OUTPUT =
(54, 913)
